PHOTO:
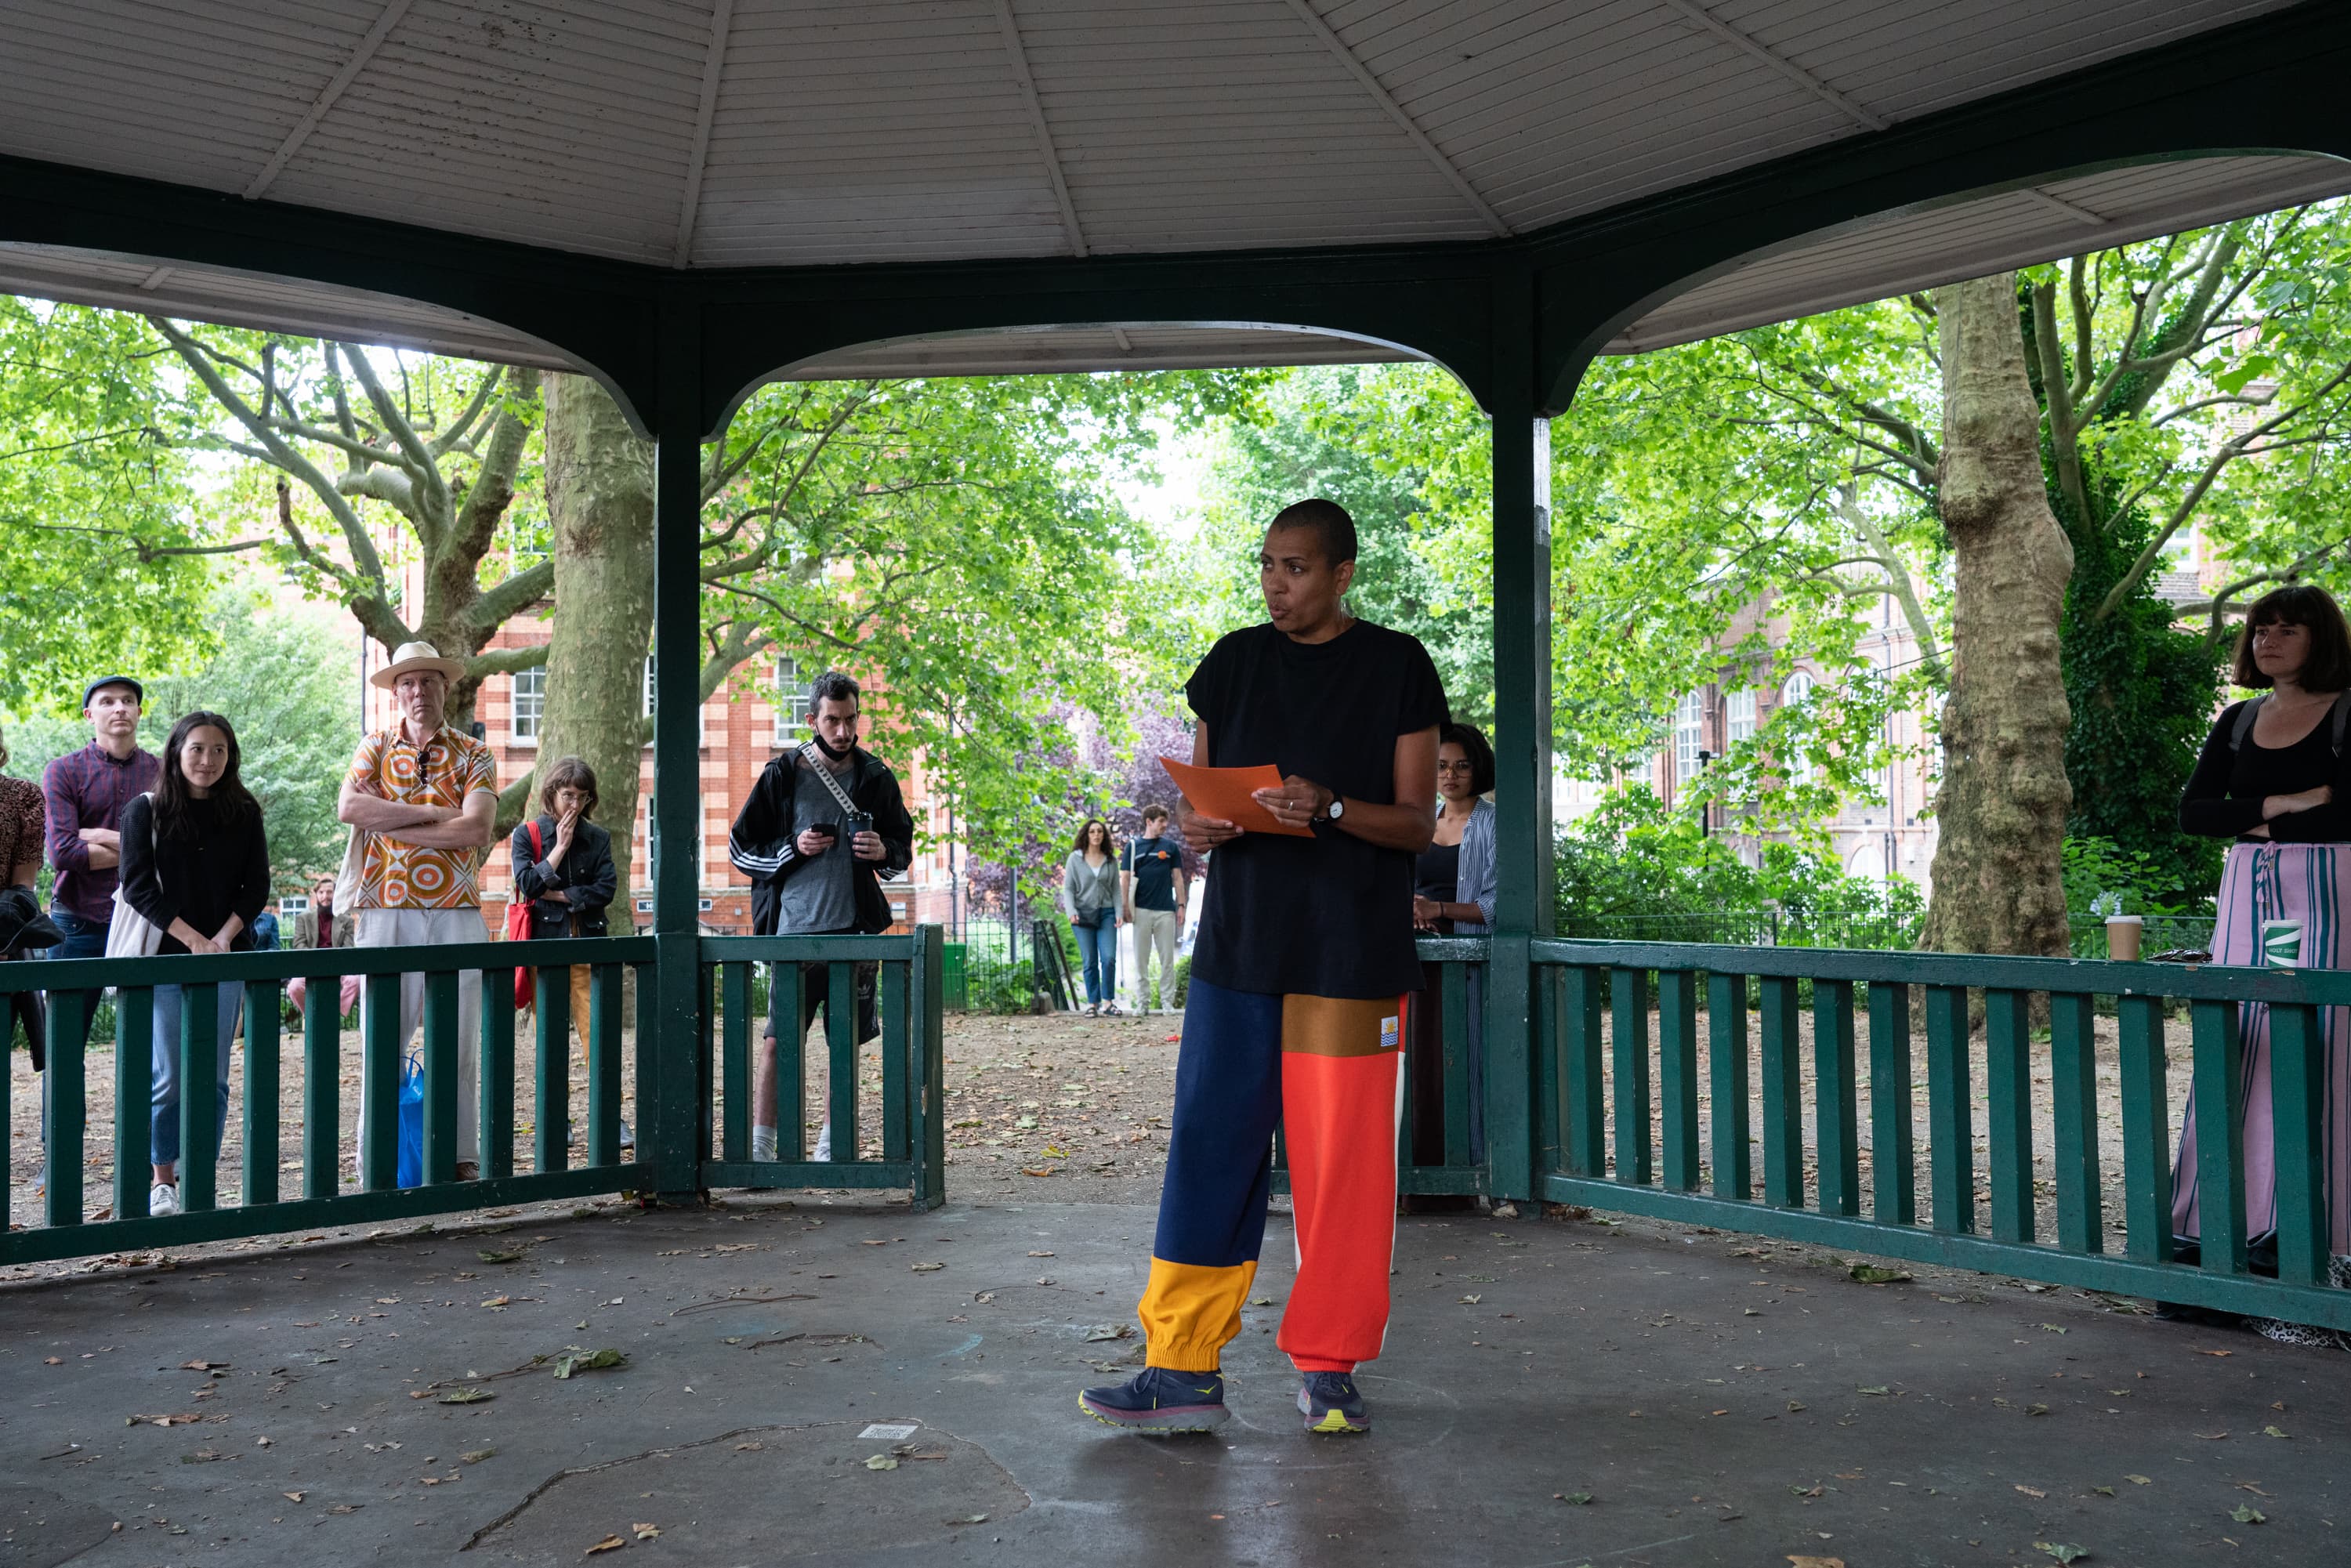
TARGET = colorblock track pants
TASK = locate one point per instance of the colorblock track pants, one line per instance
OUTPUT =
(1328, 1070)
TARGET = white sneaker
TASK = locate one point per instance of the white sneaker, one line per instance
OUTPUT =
(823, 1146)
(763, 1144)
(164, 1199)
(628, 1139)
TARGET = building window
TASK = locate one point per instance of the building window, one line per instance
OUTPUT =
(1740, 713)
(649, 686)
(701, 713)
(791, 702)
(1799, 687)
(529, 706)
(1689, 736)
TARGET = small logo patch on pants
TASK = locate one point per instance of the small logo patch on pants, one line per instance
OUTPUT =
(1389, 1034)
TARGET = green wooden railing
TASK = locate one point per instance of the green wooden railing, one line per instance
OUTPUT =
(75, 1221)
(910, 987)
(1620, 1125)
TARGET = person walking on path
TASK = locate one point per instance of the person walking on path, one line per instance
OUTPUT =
(1300, 983)
(421, 801)
(1453, 896)
(82, 797)
(563, 865)
(195, 865)
(22, 833)
(1090, 897)
(2276, 776)
(1152, 892)
(823, 824)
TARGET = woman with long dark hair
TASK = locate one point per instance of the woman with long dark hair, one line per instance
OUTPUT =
(2276, 776)
(1090, 898)
(563, 864)
(195, 863)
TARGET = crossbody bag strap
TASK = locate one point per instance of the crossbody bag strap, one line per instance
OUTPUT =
(810, 755)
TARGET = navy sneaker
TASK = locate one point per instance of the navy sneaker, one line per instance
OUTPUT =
(1330, 1404)
(1159, 1400)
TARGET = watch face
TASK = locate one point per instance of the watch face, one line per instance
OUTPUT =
(1338, 809)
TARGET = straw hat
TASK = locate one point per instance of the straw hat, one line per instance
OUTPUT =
(416, 656)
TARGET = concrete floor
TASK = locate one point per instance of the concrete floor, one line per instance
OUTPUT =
(1554, 1392)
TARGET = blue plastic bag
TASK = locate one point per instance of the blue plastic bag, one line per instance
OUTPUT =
(411, 1122)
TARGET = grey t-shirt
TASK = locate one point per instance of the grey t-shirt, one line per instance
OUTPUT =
(818, 895)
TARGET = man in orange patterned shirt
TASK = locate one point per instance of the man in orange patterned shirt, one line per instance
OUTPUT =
(423, 800)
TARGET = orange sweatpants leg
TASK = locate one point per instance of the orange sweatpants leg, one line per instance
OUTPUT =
(580, 974)
(1342, 1076)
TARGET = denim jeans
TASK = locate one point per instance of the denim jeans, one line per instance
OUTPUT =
(1098, 950)
(83, 939)
(163, 1115)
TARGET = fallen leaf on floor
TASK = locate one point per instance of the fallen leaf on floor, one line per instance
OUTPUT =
(1800, 1561)
(2246, 1513)
(1109, 1331)
(1041, 1171)
(576, 1359)
(291, 1496)
(487, 1256)
(2030, 1491)
(476, 1456)
(2273, 1432)
(2216, 1352)
(2212, 1436)
(201, 1366)
(2140, 1480)
(2052, 1328)
(1470, 1301)
(646, 1531)
(1880, 1388)
(466, 1397)
(968, 1519)
(925, 1268)
(882, 1462)
(609, 1543)
(499, 1302)
(2061, 1550)
(347, 1508)
(1872, 1274)
(1577, 1497)
(1041, 1254)
(869, 1241)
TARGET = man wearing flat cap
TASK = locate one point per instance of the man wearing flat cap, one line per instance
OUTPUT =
(421, 801)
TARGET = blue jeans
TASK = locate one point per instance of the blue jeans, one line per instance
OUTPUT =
(1098, 948)
(163, 1116)
(83, 939)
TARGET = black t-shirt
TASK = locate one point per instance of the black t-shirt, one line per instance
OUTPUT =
(1330, 915)
(1154, 862)
(2225, 794)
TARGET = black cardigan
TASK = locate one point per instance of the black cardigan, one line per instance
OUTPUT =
(2224, 795)
(203, 877)
(586, 877)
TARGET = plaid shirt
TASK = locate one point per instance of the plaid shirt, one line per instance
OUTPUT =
(89, 789)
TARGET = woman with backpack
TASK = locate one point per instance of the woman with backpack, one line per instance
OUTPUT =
(563, 866)
(2273, 777)
(195, 866)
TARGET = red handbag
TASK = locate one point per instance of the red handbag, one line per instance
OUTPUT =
(519, 927)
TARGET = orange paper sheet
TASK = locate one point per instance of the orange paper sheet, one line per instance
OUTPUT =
(1225, 793)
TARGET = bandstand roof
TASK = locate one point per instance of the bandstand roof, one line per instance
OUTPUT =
(713, 135)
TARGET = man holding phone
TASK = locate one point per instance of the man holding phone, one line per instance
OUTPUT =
(824, 823)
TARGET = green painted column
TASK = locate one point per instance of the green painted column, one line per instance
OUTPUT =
(1522, 729)
(665, 1106)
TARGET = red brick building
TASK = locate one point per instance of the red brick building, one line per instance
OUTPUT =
(759, 710)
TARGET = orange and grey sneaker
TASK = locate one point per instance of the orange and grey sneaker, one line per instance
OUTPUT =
(1159, 1400)
(1330, 1403)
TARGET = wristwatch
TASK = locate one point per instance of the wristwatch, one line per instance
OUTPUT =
(1334, 810)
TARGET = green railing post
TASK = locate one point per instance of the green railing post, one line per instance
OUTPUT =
(786, 1012)
(68, 1106)
(1727, 1069)
(1836, 1113)
(199, 1045)
(1550, 1082)
(2074, 1092)
(1783, 1096)
(134, 1088)
(1628, 1055)
(1951, 1116)
(2008, 1118)
(1586, 1122)
(551, 1015)
(1454, 1025)
(603, 1036)
(1894, 1199)
(1524, 905)
(734, 1061)
(441, 1076)
(925, 987)
(322, 1052)
(2298, 1104)
(669, 1119)
(842, 1045)
(2219, 1096)
(379, 1064)
(2147, 1131)
(263, 1028)
(1677, 1075)
(897, 1056)
(495, 1087)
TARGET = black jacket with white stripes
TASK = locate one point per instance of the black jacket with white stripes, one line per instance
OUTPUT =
(762, 848)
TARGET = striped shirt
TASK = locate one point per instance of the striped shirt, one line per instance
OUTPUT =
(89, 789)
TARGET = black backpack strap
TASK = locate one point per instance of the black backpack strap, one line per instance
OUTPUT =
(2252, 711)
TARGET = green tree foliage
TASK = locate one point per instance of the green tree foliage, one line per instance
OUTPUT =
(101, 529)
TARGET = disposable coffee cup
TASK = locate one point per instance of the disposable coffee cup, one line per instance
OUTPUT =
(2282, 943)
(2123, 933)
